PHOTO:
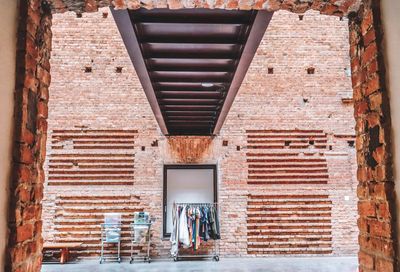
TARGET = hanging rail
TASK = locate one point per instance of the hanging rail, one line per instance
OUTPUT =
(216, 247)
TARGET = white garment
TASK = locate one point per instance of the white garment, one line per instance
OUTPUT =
(183, 232)
(174, 234)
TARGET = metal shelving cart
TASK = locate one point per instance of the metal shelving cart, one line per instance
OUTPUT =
(141, 234)
(216, 247)
(111, 234)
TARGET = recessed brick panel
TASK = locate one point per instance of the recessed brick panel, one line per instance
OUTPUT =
(289, 224)
(91, 157)
(77, 218)
(286, 157)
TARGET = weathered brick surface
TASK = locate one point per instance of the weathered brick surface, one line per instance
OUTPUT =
(376, 188)
(288, 99)
(331, 7)
(33, 79)
(371, 113)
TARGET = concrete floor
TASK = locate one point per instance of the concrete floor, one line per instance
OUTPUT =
(311, 264)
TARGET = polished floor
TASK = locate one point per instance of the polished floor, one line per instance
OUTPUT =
(311, 264)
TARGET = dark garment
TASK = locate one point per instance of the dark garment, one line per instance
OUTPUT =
(204, 227)
(214, 224)
(218, 234)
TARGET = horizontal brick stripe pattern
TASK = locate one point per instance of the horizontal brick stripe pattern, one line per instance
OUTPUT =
(286, 157)
(289, 224)
(91, 157)
(78, 219)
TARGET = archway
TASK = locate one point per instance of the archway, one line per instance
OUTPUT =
(371, 110)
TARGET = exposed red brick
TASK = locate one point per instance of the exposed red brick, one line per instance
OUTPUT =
(369, 37)
(30, 212)
(384, 265)
(362, 191)
(373, 119)
(369, 54)
(42, 109)
(366, 259)
(367, 208)
(91, 5)
(24, 154)
(379, 154)
(24, 232)
(367, 21)
(361, 108)
(379, 228)
(375, 102)
(372, 85)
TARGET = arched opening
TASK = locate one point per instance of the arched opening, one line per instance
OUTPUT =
(375, 189)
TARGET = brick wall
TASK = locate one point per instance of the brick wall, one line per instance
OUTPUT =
(376, 205)
(282, 111)
(30, 114)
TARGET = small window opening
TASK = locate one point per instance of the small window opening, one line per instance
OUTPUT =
(305, 100)
(330, 147)
(224, 143)
(88, 69)
(118, 69)
(143, 148)
(341, 18)
(154, 143)
(310, 70)
(237, 148)
(347, 72)
(287, 143)
(350, 143)
(270, 70)
(105, 15)
(311, 142)
(301, 16)
(79, 15)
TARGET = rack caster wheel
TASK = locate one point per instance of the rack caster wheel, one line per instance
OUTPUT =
(119, 260)
(175, 259)
(131, 261)
(216, 258)
(149, 260)
(101, 261)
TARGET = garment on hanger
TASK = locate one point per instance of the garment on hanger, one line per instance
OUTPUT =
(183, 228)
(192, 224)
(214, 224)
(174, 234)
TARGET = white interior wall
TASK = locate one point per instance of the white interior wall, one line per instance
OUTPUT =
(391, 24)
(8, 42)
(188, 185)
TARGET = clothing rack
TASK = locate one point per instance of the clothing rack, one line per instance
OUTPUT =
(216, 247)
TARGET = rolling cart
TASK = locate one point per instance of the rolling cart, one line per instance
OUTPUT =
(111, 234)
(140, 234)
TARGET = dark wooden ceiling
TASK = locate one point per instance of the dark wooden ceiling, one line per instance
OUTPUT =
(191, 62)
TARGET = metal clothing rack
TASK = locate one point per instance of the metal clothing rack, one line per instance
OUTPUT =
(216, 248)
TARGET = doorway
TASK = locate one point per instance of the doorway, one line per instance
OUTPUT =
(187, 183)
